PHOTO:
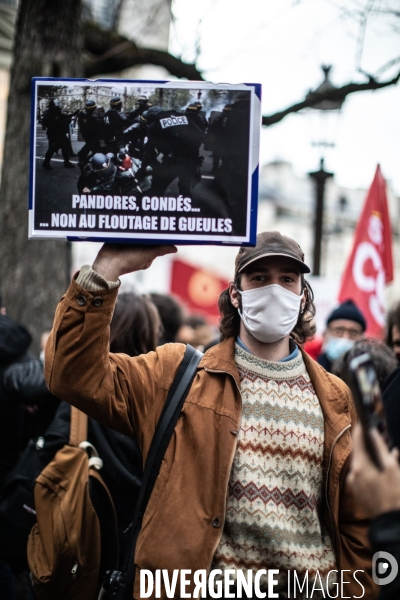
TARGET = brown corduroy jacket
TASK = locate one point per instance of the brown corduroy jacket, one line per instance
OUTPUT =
(184, 519)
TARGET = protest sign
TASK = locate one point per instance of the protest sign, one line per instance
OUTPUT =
(144, 161)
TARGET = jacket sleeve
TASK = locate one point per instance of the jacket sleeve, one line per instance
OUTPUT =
(353, 523)
(123, 393)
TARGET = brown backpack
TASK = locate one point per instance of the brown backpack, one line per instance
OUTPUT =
(64, 546)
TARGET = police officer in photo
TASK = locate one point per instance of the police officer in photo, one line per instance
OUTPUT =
(142, 104)
(107, 174)
(91, 128)
(172, 150)
(196, 116)
(115, 123)
(99, 175)
(134, 137)
(232, 177)
(57, 129)
(215, 138)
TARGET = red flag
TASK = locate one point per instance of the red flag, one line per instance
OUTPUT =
(199, 290)
(370, 265)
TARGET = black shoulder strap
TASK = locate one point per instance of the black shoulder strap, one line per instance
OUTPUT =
(166, 425)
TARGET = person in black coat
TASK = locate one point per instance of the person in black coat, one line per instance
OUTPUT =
(232, 177)
(391, 401)
(142, 104)
(22, 387)
(134, 138)
(172, 150)
(136, 328)
(56, 124)
(14, 344)
(392, 329)
(92, 130)
(115, 122)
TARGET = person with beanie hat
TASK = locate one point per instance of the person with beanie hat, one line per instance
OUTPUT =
(345, 325)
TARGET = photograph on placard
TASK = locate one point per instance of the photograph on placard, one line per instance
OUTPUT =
(147, 161)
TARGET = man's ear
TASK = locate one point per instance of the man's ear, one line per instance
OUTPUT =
(234, 295)
(303, 301)
(305, 298)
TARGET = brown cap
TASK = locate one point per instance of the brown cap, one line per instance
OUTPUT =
(271, 243)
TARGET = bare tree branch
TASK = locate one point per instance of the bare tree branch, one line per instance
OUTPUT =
(109, 52)
(336, 94)
(387, 66)
(362, 31)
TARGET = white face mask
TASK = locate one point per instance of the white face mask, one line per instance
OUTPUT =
(270, 312)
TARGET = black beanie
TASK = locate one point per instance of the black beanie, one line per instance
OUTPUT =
(348, 310)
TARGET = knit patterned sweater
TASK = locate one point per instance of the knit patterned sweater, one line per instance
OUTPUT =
(275, 486)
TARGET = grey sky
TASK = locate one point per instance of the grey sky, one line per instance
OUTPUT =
(282, 45)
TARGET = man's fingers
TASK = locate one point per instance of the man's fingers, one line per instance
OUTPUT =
(360, 459)
(151, 252)
(357, 437)
(395, 453)
(359, 454)
(350, 478)
(163, 250)
(114, 260)
(380, 444)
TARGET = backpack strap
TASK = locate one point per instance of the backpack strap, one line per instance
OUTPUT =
(165, 427)
(120, 583)
(78, 427)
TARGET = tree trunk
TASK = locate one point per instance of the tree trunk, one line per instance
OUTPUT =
(33, 274)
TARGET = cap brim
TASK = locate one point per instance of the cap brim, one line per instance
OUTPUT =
(302, 266)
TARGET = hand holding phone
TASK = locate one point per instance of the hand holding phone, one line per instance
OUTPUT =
(368, 401)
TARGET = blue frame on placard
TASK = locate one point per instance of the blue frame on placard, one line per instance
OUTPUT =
(248, 239)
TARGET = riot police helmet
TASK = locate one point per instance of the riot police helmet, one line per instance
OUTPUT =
(142, 99)
(103, 165)
(90, 105)
(150, 115)
(116, 102)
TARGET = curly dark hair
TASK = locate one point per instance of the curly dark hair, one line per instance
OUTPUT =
(393, 318)
(383, 358)
(229, 324)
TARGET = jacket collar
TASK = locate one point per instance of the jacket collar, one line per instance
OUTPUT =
(221, 357)
(330, 391)
(332, 396)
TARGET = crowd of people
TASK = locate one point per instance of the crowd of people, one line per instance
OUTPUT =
(267, 468)
(151, 146)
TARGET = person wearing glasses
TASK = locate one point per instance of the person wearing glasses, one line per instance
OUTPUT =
(344, 326)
